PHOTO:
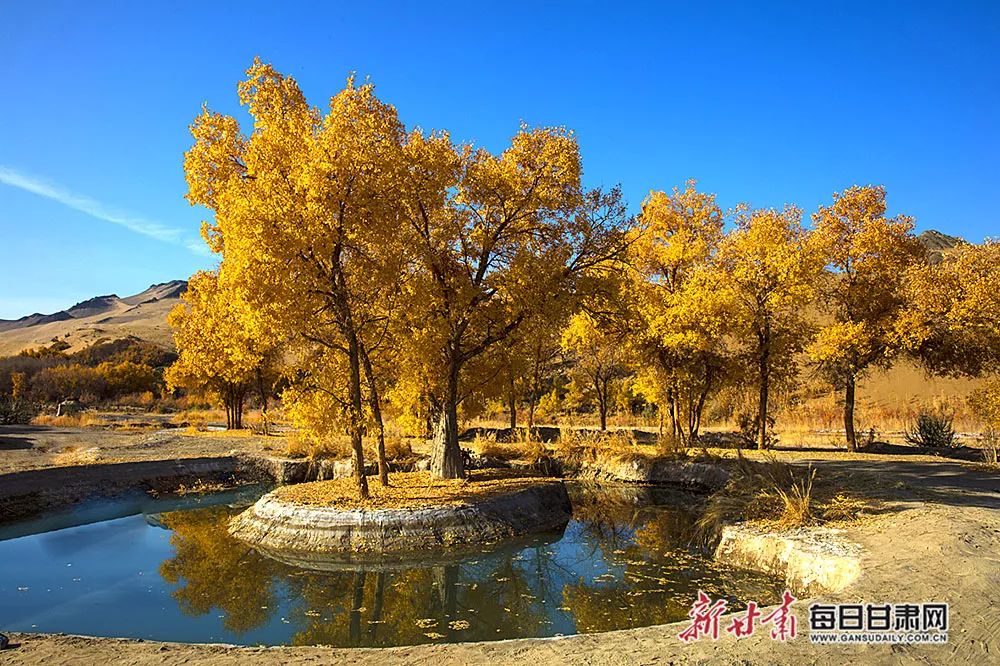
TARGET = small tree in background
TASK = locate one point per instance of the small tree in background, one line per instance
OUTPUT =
(869, 256)
(951, 324)
(600, 359)
(681, 314)
(216, 351)
(770, 271)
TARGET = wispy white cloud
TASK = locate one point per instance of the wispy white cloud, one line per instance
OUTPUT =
(96, 209)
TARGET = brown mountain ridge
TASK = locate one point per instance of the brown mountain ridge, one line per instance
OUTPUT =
(108, 317)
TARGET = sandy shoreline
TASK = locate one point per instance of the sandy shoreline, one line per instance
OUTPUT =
(939, 544)
(964, 542)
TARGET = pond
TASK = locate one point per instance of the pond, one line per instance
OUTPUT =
(168, 570)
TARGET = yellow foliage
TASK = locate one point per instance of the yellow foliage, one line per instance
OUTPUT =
(218, 351)
(770, 270)
(951, 321)
(682, 314)
(869, 256)
(600, 358)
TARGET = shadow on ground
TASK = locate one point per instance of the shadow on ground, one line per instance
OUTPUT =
(946, 483)
(8, 443)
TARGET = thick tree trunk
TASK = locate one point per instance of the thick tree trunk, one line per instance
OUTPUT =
(375, 404)
(446, 456)
(764, 368)
(852, 438)
(354, 412)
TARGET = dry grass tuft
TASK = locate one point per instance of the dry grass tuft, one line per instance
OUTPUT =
(74, 455)
(199, 418)
(797, 500)
(780, 496)
(534, 452)
(398, 450)
(843, 507)
(525, 446)
(81, 420)
(991, 450)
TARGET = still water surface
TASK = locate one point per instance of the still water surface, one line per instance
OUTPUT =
(170, 571)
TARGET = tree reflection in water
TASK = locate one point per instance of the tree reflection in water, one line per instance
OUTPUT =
(625, 561)
(217, 570)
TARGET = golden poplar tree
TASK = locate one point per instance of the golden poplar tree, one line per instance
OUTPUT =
(307, 223)
(681, 314)
(863, 295)
(498, 238)
(217, 352)
(599, 356)
(951, 324)
(770, 270)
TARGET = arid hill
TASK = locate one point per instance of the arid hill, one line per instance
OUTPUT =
(938, 244)
(143, 315)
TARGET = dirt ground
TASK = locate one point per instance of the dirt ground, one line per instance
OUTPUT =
(38, 447)
(939, 541)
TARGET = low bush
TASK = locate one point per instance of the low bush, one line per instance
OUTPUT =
(16, 412)
(931, 429)
(81, 420)
(991, 448)
(398, 450)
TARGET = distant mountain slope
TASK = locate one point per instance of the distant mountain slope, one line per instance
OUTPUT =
(938, 244)
(109, 317)
(95, 306)
(158, 292)
(33, 320)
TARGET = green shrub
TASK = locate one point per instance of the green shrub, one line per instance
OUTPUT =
(933, 430)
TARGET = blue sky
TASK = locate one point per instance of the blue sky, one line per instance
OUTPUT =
(766, 102)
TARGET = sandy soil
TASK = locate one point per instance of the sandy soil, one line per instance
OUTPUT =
(39, 447)
(939, 542)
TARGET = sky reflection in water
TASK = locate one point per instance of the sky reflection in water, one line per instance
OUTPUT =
(625, 560)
